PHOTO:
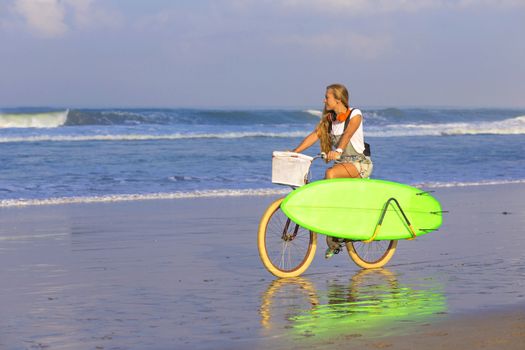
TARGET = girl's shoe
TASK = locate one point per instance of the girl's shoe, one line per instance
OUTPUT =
(331, 252)
(334, 246)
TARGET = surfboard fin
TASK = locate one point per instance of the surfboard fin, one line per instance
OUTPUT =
(424, 192)
(439, 212)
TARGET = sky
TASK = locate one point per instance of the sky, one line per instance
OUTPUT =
(261, 53)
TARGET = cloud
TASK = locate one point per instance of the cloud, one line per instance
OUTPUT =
(354, 45)
(82, 10)
(357, 7)
(54, 18)
(87, 14)
(44, 17)
(494, 3)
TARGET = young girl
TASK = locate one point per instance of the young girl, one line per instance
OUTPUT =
(340, 132)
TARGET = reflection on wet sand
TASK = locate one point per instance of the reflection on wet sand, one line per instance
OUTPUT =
(287, 294)
(373, 303)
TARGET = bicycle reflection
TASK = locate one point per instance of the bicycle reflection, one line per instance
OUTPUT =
(372, 301)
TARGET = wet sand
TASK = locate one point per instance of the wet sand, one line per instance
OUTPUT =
(504, 329)
(186, 274)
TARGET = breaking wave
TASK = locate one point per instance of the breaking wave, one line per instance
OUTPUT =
(314, 112)
(33, 120)
(138, 125)
(87, 117)
(512, 126)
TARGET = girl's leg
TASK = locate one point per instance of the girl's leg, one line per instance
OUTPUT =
(337, 171)
(342, 170)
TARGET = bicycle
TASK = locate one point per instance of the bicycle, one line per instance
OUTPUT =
(287, 249)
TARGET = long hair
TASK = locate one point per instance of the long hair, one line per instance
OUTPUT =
(340, 93)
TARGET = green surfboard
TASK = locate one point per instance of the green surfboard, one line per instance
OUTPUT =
(353, 208)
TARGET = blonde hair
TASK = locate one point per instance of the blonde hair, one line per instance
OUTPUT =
(340, 93)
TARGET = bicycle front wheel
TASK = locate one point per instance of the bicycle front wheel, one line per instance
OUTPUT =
(371, 255)
(286, 249)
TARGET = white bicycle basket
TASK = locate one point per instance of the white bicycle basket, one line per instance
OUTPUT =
(290, 168)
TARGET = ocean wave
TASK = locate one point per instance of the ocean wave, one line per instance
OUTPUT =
(138, 197)
(31, 117)
(86, 117)
(33, 120)
(369, 115)
(81, 117)
(467, 184)
(6, 203)
(146, 137)
(226, 124)
(314, 112)
(511, 126)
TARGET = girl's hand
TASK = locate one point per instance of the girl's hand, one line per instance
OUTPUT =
(333, 155)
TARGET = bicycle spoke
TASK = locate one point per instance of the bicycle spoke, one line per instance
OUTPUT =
(287, 244)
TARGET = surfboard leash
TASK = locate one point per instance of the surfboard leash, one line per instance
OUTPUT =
(383, 213)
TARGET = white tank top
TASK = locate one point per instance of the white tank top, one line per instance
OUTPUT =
(357, 140)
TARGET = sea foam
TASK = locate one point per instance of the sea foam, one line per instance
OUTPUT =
(138, 197)
(314, 112)
(33, 120)
(21, 202)
(468, 184)
(145, 137)
(511, 126)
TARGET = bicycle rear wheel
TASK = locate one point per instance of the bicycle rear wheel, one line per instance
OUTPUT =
(371, 255)
(286, 249)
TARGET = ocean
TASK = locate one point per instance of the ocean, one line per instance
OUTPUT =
(59, 155)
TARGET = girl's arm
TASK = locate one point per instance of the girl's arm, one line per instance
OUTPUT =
(307, 142)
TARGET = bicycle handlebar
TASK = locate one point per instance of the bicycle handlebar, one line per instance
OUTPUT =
(320, 155)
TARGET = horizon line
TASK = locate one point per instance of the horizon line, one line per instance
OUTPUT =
(244, 108)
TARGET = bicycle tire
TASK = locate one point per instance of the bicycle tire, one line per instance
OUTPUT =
(371, 255)
(278, 238)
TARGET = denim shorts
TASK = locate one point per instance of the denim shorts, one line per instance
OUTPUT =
(362, 163)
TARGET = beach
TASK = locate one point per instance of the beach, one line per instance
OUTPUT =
(185, 274)
(139, 196)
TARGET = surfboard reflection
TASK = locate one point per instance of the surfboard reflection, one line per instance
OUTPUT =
(372, 301)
